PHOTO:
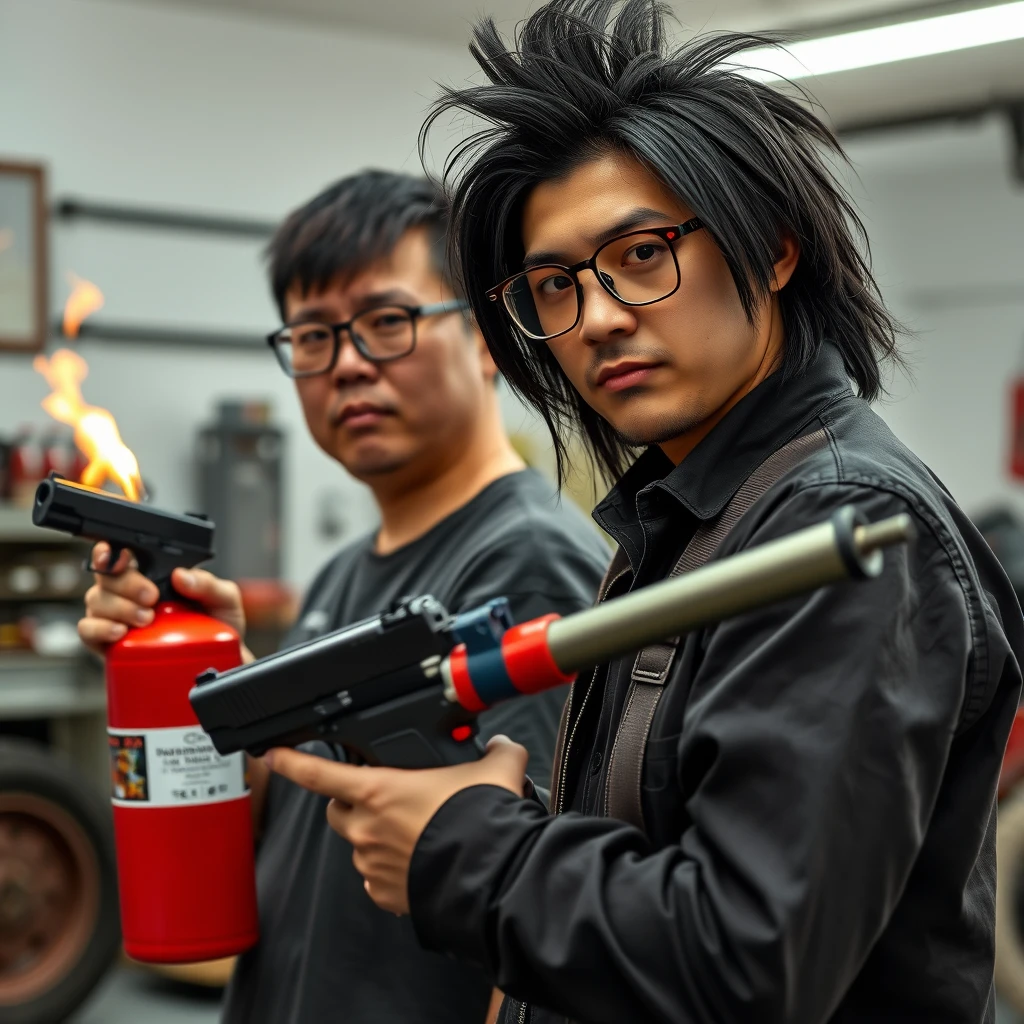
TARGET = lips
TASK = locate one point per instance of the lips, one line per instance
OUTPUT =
(622, 375)
(360, 414)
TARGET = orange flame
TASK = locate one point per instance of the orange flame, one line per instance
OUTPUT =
(96, 433)
(85, 299)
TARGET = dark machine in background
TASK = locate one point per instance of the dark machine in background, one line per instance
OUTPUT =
(240, 461)
(240, 458)
(1004, 532)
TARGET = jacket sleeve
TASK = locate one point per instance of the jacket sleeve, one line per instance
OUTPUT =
(809, 762)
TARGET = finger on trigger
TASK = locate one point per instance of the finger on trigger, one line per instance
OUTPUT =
(317, 774)
(101, 560)
(100, 555)
(125, 561)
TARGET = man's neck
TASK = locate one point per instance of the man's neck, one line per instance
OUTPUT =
(409, 512)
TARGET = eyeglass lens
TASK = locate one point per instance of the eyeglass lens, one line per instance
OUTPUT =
(383, 333)
(637, 269)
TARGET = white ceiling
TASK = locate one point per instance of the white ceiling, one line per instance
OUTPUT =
(910, 87)
(450, 21)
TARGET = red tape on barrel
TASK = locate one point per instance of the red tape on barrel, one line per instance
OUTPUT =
(458, 666)
(528, 661)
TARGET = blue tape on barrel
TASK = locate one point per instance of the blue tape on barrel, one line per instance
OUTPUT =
(481, 630)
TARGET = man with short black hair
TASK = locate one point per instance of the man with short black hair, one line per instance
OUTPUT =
(788, 816)
(398, 386)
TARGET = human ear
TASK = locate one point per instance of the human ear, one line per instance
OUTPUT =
(487, 365)
(786, 263)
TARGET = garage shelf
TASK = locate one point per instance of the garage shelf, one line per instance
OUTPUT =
(32, 686)
(16, 527)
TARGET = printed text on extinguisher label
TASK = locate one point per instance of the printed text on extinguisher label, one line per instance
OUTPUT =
(171, 768)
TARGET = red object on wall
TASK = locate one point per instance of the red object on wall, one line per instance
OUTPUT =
(1012, 770)
(58, 455)
(1017, 429)
(182, 818)
(26, 468)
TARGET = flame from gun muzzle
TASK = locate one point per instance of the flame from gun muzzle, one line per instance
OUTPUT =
(96, 433)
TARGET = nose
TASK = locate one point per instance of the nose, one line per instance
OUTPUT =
(603, 317)
(351, 366)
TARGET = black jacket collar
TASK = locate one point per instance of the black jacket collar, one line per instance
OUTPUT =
(775, 412)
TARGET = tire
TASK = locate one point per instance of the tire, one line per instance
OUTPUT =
(59, 920)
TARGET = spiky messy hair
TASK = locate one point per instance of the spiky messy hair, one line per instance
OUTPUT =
(353, 223)
(585, 77)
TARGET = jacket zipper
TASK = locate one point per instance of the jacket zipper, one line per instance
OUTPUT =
(568, 744)
(522, 1013)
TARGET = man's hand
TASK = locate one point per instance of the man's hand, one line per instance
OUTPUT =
(113, 603)
(382, 812)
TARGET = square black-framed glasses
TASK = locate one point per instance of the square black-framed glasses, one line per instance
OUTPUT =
(518, 294)
(381, 334)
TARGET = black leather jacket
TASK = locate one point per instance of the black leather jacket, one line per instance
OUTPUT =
(819, 784)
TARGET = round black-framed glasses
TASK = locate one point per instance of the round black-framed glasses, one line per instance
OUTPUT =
(308, 348)
(637, 269)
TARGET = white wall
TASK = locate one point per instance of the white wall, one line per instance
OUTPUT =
(947, 226)
(183, 108)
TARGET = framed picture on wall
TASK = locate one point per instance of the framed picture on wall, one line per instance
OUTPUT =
(23, 262)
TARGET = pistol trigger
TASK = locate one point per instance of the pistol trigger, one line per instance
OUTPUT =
(115, 554)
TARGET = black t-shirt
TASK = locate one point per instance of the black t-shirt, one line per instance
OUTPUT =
(327, 953)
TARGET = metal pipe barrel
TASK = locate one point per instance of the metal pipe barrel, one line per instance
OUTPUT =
(845, 547)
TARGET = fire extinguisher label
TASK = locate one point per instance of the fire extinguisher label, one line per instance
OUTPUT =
(172, 768)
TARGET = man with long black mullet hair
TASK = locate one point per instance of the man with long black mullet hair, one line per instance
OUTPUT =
(789, 816)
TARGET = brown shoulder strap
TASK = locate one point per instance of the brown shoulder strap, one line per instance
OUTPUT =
(623, 794)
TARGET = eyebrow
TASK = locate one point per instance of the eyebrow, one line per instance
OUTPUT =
(391, 295)
(305, 313)
(634, 219)
(395, 296)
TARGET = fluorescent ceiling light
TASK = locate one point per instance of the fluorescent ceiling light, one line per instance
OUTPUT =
(890, 43)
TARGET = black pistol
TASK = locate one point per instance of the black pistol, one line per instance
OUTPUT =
(404, 688)
(378, 688)
(161, 541)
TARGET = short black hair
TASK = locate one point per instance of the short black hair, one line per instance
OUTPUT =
(354, 222)
(583, 79)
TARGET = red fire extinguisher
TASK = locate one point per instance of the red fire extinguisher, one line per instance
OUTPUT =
(182, 817)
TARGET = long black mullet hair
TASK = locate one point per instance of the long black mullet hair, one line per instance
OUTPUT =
(583, 79)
